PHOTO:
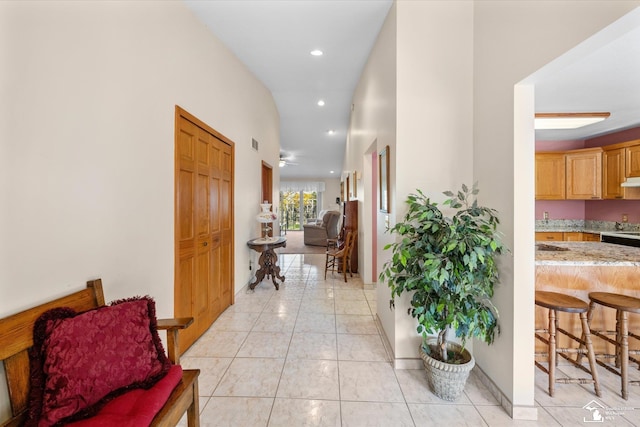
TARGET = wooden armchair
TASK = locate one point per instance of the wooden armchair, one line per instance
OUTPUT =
(341, 257)
(16, 337)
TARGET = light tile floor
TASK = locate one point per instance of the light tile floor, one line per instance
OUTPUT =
(311, 354)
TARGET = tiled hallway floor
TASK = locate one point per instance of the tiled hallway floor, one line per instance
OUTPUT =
(311, 354)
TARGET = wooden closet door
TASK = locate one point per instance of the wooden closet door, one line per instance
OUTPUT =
(204, 228)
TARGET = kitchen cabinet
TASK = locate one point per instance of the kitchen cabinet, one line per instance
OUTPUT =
(632, 154)
(588, 173)
(614, 171)
(567, 236)
(549, 236)
(613, 167)
(591, 237)
(550, 176)
(573, 236)
(584, 174)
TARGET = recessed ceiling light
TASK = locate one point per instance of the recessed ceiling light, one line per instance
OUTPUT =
(567, 120)
(331, 131)
(321, 103)
(331, 172)
(317, 52)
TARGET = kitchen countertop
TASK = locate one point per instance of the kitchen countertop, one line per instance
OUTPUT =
(582, 226)
(569, 230)
(588, 254)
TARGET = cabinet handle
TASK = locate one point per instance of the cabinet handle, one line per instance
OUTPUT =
(205, 243)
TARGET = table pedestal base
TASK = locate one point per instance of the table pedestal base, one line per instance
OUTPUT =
(268, 267)
(268, 259)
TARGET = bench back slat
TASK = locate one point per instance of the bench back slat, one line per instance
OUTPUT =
(16, 338)
(16, 331)
(17, 372)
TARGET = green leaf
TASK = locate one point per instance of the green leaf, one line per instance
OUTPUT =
(447, 263)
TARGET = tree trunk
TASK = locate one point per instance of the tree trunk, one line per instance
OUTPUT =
(442, 343)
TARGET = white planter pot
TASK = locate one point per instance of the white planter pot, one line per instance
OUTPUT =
(447, 380)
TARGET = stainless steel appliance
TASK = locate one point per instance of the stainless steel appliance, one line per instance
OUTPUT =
(628, 238)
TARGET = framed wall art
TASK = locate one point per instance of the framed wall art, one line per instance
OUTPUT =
(348, 188)
(355, 185)
(383, 158)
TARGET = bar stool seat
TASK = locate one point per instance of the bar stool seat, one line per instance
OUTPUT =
(556, 302)
(623, 304)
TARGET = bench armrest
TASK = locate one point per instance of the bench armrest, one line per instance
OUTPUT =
(178, 323)
(172, 326)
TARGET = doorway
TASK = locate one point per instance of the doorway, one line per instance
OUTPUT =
(267, 187)
(298, 208)
(267, 183)
(204, 228)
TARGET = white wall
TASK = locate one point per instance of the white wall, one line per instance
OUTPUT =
(331, 192)
(88, 171)
(435, 117)
(537, 33)
(421, 106)
(372, 127)
(455, 124)
(87, 99)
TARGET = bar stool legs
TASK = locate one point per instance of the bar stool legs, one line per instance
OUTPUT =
(623, 304)
(559, 302)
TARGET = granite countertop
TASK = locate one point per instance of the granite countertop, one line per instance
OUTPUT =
(581, 226)
(569, 229)
(588, 253)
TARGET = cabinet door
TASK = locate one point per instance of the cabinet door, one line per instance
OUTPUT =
(550, 176)
(584, 174)
(573, 236)
(549, 236)
(613, 173)
(591, 237)
(633, 160)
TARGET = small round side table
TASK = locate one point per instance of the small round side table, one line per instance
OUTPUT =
(268, 259)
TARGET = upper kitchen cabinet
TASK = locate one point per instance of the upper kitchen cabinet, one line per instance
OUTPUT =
(584, 174)
(619, 162)
(613, 166)
(632, 153)
(550, 176)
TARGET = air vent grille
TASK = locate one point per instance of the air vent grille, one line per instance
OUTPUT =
(254, 144)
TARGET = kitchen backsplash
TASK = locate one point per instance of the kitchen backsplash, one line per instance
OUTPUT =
(582, 225)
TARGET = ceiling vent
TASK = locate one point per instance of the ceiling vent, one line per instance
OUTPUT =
(254, 144)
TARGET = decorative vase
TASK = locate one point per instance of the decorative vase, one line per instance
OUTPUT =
(447, 380)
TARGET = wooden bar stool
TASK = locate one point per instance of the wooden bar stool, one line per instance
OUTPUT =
(556, 302)
(623, 304)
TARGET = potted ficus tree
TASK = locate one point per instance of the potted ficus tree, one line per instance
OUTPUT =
(448, 264)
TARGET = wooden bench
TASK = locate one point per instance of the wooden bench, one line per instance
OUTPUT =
(16, 337)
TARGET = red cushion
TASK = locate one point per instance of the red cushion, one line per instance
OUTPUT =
(137, 407)
(81, 361)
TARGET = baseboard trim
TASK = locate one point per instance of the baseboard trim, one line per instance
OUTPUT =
(516, 412)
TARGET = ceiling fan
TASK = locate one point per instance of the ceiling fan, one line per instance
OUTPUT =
(285, 160)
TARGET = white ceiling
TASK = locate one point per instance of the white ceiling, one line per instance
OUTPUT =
(274, 40)
(602, 74)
